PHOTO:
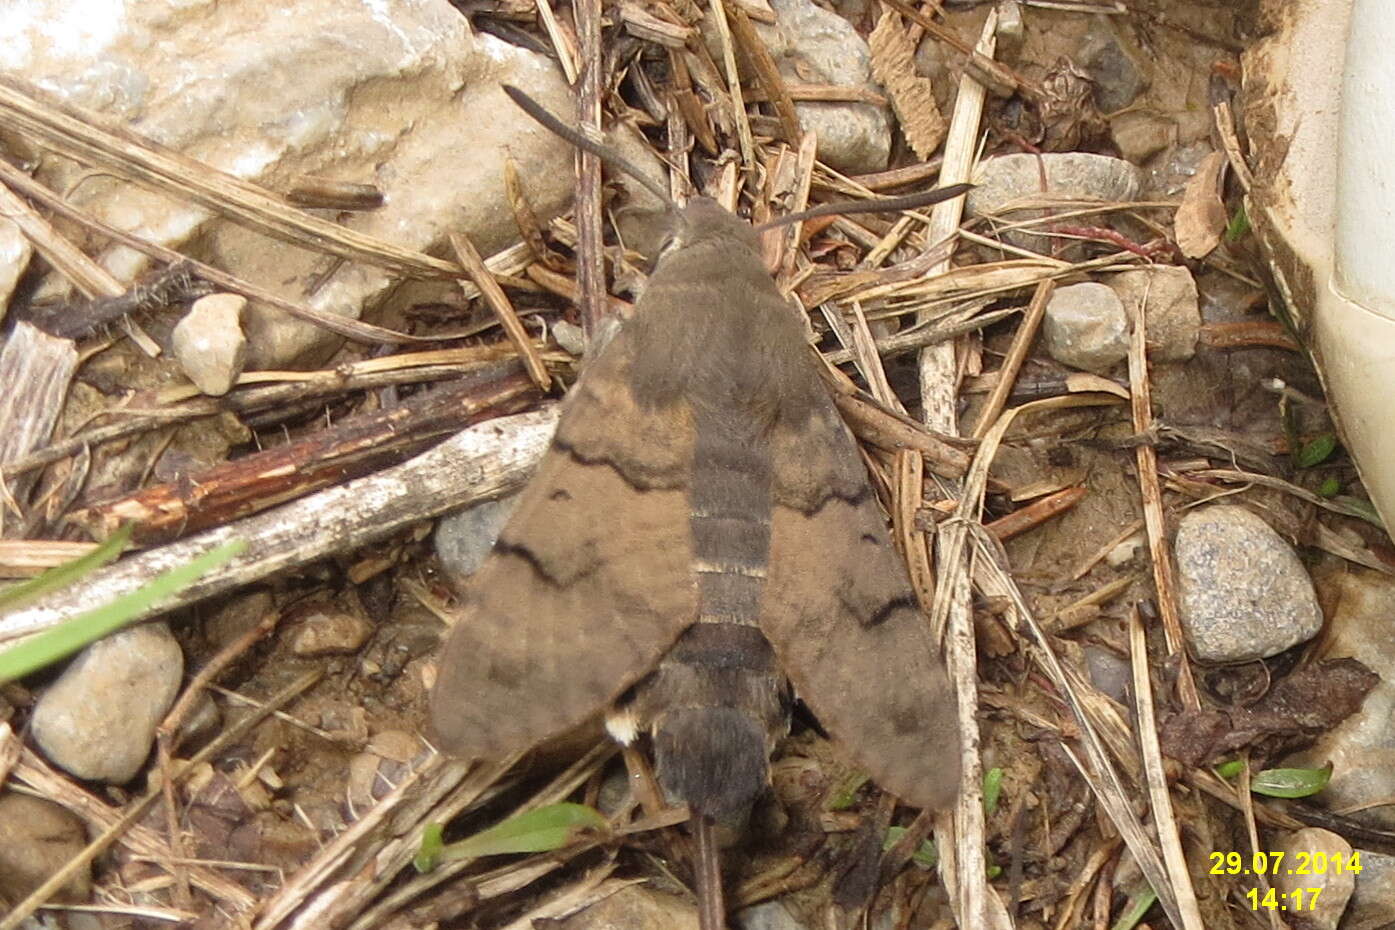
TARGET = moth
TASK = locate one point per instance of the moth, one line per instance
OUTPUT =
(700, 543)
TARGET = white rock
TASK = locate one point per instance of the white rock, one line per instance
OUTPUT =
(1007, 179)
(209, 345)
(1173, 313)
(1322, 850)
(1245, 594)
(404, 96)
(1085, 326)
(98, 719)
(814, 45)
(570, 337)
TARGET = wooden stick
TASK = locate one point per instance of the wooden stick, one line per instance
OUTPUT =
(738, 105)
(590, 265)
(481, 462)
(1035, 513)
(356, 446)
(473, 263)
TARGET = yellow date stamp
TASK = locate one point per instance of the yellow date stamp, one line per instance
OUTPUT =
(1302, 862)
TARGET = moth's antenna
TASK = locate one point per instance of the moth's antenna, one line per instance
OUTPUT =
(604, 153)
(889, 205)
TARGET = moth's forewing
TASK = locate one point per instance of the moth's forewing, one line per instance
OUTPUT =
(840, 611)
(589, 583)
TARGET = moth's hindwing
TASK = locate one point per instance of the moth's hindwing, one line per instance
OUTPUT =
(840, 612)
(589, 583)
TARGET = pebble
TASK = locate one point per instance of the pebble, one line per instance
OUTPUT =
(1321, 846)
(570, 337)
(1245, 594)
(465, 537)
(1173, 313)
(1362, 747)
(209, 345)
(770, 915)
(329, 633)
(1085, 327)
(1075, 175)
(37, 838)
(1110, 672)
(98, 720)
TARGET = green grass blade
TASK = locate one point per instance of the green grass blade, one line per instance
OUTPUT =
(60, 576)
(542, 830)
(71, 635)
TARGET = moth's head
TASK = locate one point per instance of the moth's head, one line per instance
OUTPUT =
(704, 222)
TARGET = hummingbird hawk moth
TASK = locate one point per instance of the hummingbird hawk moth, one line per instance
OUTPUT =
(700, 542)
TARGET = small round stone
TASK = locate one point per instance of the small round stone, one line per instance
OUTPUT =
(1245, 594)
(1085, 327)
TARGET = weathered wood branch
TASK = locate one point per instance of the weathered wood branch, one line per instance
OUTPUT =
(481, 462)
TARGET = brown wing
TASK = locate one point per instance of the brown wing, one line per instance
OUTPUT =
(589, 583)
(840, 612)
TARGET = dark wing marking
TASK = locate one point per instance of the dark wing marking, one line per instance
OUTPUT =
(590, 582)
(841, 614)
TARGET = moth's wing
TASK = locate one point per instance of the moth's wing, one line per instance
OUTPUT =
(840, 612)
(589, 583)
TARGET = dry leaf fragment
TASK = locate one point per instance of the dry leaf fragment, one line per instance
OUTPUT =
(1201, 218)
(912, 97)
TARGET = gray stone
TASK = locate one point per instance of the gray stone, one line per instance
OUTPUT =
(1008, 180)
(1141, 135)
(1245, 594)
(98, 720)
(1085, 326)
(770, 915)
(330, 633)
(37, 838)
(209, 345)
(1109, 672)
(1362, 747)
(570, 337)
(406, 99)
(1117, 69)
(464, 538)
(814, 45)
(1372, 905)
(1319, 846)
(1173, 312)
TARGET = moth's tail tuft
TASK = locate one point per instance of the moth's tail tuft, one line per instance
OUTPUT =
(713, 758)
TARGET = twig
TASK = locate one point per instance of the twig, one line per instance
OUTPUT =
(590, 265)
(1034, 514)
(767, 73)
(480, 462)
(738, 105)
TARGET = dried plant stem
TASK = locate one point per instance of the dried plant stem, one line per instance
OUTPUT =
(938, 389)
(738, 105)
(1147, 460)
(767, 73)
(473, 263)
(1163, 819)
(1012, 364)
